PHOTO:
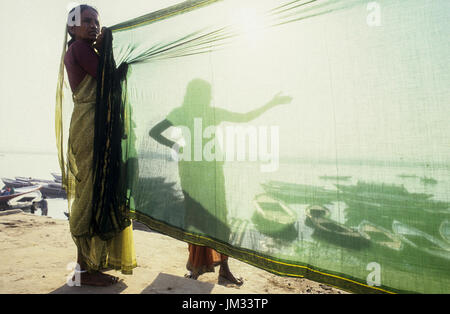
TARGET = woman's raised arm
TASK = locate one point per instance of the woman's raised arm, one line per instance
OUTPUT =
(249, 116)
(157, 130)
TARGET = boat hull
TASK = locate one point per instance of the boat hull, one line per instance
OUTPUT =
(380, 237)
(336, 233)
(274, 218)
(422, 247)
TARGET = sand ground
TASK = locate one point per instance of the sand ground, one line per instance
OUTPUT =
(35, 252)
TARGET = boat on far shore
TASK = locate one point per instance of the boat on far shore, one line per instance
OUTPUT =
(25, 201)
(389, 195)
(428, 180)
(406, 176)
(294, 193)
(15, 183)
(58, 177)
(49, 188)
(18, 192)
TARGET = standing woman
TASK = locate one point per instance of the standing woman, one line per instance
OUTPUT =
(81, 61)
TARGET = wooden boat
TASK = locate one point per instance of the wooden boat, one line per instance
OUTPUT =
(50, 189)
(293, 193)
(388, 195)
(272, 216)
(382, 190)
(58, 177)
(53, 190)
(444, 230)
(17, 193)
(15, 183)
(420, 242)
(32, 181)
(337, 233)
(25, 201)
(406, 176)
(380, 236)
(428, 180)
(25, 179)
(317, 211)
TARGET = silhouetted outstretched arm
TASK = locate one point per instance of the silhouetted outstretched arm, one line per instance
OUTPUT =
(249, 116)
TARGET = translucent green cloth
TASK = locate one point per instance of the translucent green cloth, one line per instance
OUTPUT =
(346, 184)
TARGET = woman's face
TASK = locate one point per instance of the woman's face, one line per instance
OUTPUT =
(89, 28)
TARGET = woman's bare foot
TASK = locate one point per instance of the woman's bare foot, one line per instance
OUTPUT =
(191, 275)
(225, 273)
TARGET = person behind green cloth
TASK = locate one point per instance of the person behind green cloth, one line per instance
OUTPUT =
(203, 181)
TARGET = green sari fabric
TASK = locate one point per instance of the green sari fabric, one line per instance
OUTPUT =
(80, 155)
(344, 182)
(118, 251)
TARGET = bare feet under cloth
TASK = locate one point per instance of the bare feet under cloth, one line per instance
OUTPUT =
(224, 273)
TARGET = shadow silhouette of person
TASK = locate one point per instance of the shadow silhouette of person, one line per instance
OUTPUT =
(203, 181)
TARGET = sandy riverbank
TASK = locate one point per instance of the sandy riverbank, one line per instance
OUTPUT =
(35, 252)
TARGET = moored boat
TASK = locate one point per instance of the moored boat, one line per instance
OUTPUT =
(336, 233)
(53, 190)
(382, 190)
(58, 177)
(380, 236)
(388, 195)
(32, 181)
(317, 211)
(406, 176)
(25, 201)
(15, 183)
(272, 216)
(444, 230)
(420, 243)
(428, 180)
(18, 192)
(293, 193)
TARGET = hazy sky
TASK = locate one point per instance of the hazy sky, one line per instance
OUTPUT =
(32, 34)
(358, 90)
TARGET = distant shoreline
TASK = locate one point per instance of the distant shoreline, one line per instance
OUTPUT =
(292, 160)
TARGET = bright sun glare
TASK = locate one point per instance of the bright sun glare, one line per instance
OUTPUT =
(248, 22)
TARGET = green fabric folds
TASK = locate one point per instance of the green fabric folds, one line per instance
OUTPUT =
(307, 138)
(109, 202)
